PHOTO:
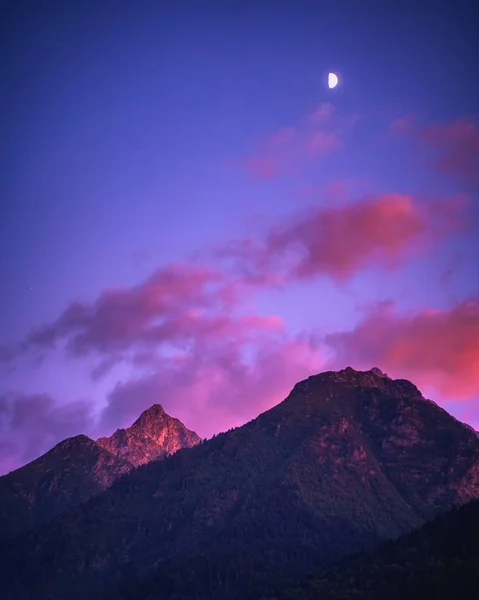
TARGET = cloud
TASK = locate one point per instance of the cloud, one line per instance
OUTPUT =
(221, 386)
(182, 304)
(171, 304)
(31, 424)
(179, 307)
(457, 146)
(341, 240)
(436, 349)
(290, 148)
(454, 146)
(403, 126)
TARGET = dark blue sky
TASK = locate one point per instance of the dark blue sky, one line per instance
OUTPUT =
(139, 134)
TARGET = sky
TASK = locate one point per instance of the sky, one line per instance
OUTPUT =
(190, 216)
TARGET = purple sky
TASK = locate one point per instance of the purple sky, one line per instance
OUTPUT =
(189, 216)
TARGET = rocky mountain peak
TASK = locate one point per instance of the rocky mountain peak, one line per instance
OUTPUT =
(377, 371)
(151, 417)
(349, 378)
(153, 435)
(75, 442)
(372, 378)
(154, 411)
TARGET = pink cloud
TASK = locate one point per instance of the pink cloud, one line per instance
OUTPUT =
(264, 167)
(433, 348)
(457, 144)
(178, 306)
(454, 146)
(220, 387)
(290, 148)
(322, 143)
(183, 305)
(338, 241)
(402, 126)
(149, 312)
(323, 113)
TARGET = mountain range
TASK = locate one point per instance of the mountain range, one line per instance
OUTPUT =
(348, 460)
(78, 468)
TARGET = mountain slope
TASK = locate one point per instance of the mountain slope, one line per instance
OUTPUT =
(347, 460)
(153, 435)
(439, 561)
(79, 468)
(68, 474)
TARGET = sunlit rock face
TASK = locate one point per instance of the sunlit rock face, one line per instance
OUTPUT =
(155, 434)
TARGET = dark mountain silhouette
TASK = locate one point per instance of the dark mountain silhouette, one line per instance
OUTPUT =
(439, 561)
(348, 460)
(79, 468)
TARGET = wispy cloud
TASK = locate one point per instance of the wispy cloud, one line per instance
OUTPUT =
(182, 305)
(290, 149)
(220, 385)
(453, 146)
(339, 241)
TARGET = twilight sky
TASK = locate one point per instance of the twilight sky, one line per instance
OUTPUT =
(189, 216)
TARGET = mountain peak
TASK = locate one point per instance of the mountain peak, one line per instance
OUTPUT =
(153, 435)
(70, 473)
(77, 441)
(368, 377)
(156, 411)
(341, 391)
(377, 371)
(373, 378)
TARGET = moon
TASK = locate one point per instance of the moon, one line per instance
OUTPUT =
(332, 80)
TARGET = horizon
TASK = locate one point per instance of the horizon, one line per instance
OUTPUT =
(191, 217)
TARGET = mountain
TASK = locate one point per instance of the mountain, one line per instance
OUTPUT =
(79, 468)
(68, 474)
(155, 434)
(435, 562)
(348, 460)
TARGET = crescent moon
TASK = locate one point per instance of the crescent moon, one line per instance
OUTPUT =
(332, 80)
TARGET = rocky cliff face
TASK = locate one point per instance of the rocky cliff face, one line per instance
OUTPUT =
(155, 434)
(347, 460)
